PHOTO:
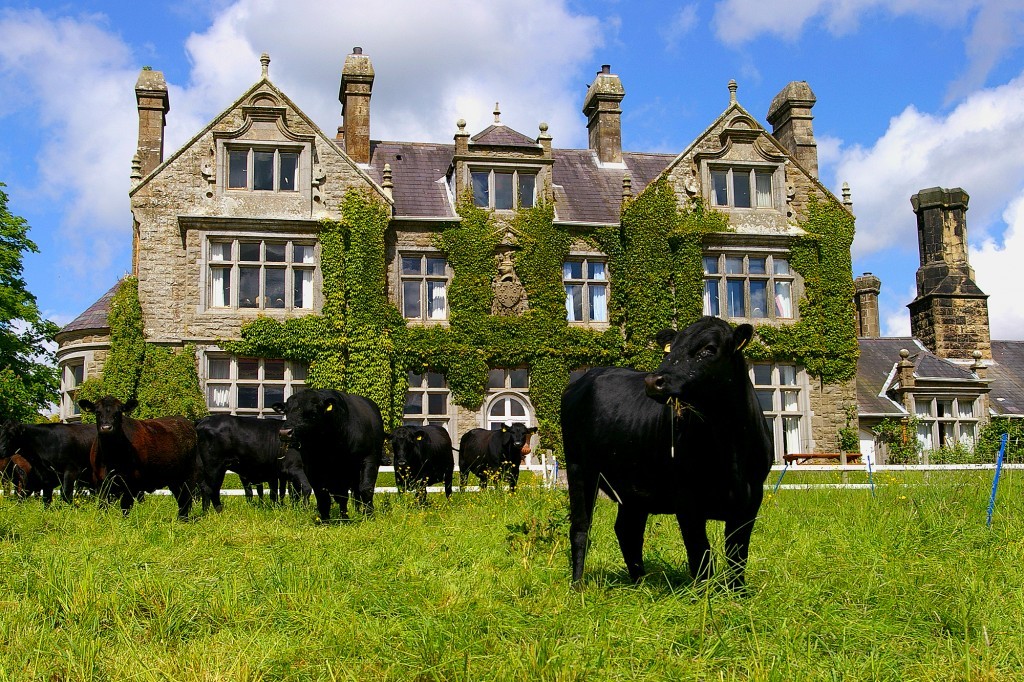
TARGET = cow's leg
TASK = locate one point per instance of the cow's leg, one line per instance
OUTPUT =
(698, 549)
(213, 481)
(127, 500)
(342, 500)
(67, 487)
(582, 495)
(272, 489)
(630, 525)
(47, 493)
(323, 505)
(737, 547)
(183, 494)
(448, 484)
(367, 483)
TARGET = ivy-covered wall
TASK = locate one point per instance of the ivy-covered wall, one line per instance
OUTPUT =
(360, 342)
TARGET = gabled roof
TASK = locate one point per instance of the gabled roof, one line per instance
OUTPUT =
(1007, 375)
(95, 316)
(498, 135)
(878, 357)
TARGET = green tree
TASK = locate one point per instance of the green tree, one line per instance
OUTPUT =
(28, 377)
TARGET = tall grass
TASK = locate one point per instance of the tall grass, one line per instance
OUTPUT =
(908, 585)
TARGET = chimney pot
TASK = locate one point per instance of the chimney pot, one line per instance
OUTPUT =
(356, 88)
(790, 118)
(601, 106)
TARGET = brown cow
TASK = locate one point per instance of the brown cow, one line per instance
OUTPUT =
(134, 456)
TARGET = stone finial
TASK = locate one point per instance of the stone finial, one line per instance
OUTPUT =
(265, 64)
(461, 125)
(136, 175)
(387, 184)
(497, 114)
(627, 187)
(905, 369)
(978, 366)
(733, 87)
(461, 137)
(847, 200)
(544, 140)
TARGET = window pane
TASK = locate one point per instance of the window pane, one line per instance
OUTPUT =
(757, 266)
(766, 399)
(218, 396)
(503, 190)
(518, 378)
(262, 170)
(734, 265)
(720, 191)
(968, 433)
(248, 287)
(220, 287)
(790, 401)
(274, 288)
(783, 299)
(411, 300)
(598, 302)
(220, 251)
(947, 435)
(298, 371)
(435, 266)
(787, 375)
(412, 265)
(791, 430)
(965, 408)
(527, 185)
(741, 189)
(77, 373)
(763, 375)
(572, 269)
(272, 394)
(595, 270)
(275, 253)
(481, 193)
(496, 378)
(764, 190)
(711, 265)
(923, 408)
(944, 408)
(413, 402)
(437, 403)
(218, 368)
(924, 436)
(436, 380)
(758, 298)
(248, 397)
(303, 253)
(273, 370)
(711, 304)
(415, 380)
(249, 368)
(302, 295)
(734, 291)
(237, 176)
(249, 251)
(289, 163)
(437, 300)
(574, 302)
(780, 266)
(517, 409)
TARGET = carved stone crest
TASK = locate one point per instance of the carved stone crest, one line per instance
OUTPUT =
(509, 294)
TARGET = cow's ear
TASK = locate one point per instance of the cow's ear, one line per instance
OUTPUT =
(664, 338)
(278, 407)
(741, 337)
(420, 434)
(504, 428)
(532, 429)
(130, 405)
(87, 405)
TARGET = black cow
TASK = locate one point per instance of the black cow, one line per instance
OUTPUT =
(131, 457)
(340, 437)
(251, 448)
(58, 455)
(422, 456)
(688, 439)
(493, 454)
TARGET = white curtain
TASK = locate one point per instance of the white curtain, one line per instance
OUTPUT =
(219, 396)
(574, 303)
(598, 303)
(438, 299)
(764, 190)
(783, 299)
(791, 425)
(220, 287)
(306, 288)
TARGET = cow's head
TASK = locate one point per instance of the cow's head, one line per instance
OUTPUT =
(407, 443)
(10, 432)
(513, 438)
(698, 360)
(109, 412)
(306, 413)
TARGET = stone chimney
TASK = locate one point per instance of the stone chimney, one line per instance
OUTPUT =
(604, 117)
(950, 313)
(866, 289)
(790, 118)
(356, 86)
(151, 96)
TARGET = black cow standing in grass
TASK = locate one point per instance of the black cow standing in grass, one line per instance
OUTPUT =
(57, 454)
(492, 454)
(340, 437)
(688, 439)
(422, 456)
(131, 457)
(251, 448)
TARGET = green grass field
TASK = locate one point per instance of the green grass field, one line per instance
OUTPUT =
(908, 585)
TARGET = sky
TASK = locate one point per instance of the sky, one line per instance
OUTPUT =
(911, 94)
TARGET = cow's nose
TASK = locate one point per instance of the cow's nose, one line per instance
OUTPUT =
(286, 433)
(106, 428)
(654, 384)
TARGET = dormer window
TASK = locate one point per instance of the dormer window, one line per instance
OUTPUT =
(742, 187)
(262, 169)
(504, 189)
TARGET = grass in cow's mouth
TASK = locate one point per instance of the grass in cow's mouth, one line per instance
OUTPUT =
(908, 585)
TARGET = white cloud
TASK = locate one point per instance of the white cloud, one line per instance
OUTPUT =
(998, 272)
(681, 23)
(894, 313)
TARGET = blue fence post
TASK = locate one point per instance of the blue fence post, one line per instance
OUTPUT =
(995, 481)
(779, 482)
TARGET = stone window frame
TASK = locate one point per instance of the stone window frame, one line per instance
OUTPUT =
(781, 413)
(774, 282)
(69, 385)
(423, 278)
(290, 239)
(474, 168)
(946, 430)
(251, 147)
(293, 380)
(428, 384)
(585, 283)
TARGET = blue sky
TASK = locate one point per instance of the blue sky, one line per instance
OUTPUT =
(910, 94)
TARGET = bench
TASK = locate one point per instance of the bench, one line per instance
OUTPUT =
(843, 457)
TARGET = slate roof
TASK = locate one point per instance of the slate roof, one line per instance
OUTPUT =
(1007, 375)
(874, 367)
(95, 316)
(498, 135)
(584, 190)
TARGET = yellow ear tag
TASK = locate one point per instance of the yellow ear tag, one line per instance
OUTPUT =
(504, 430)
(668, 347)
(742, 344)
(419, 437)
(329, 407)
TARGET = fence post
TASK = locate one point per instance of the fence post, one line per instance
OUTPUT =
(995, 481)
